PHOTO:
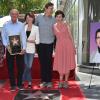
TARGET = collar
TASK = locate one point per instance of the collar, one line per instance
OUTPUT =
(13, 23)
(47, 16)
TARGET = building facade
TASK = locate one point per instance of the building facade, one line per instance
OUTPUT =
(79, 14)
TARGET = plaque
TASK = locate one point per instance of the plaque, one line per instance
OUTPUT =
(15, 44)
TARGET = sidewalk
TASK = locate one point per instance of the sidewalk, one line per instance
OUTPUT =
(92, 93)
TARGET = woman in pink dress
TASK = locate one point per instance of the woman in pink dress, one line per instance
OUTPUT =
(64, 59)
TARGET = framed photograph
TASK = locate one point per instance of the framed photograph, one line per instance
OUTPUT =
(15, 44)
(95, 42)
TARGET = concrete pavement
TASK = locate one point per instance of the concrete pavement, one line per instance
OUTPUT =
(92, 93)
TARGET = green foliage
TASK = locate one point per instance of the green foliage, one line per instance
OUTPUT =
(22, 5)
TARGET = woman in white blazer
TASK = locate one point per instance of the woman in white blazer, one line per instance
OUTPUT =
(32, 33)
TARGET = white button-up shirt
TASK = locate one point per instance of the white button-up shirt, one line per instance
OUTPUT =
(10, 29)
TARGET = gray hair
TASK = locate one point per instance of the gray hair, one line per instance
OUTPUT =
(14, 10)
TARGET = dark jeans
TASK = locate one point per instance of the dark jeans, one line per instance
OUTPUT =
(45, 57)
(19, 65)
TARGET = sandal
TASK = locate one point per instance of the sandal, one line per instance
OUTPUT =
(60, 85)
(65, 85)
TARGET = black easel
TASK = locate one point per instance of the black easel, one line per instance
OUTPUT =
(91, 76)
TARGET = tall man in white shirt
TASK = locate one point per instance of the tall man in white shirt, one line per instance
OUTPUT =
(11, 28)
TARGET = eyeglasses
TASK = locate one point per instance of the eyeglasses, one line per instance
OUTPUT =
(97, 37)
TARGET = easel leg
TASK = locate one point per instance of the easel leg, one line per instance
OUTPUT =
(91, 78)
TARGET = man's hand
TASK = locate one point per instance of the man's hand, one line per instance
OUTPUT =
(8, 48)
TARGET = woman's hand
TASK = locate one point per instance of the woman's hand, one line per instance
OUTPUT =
(22, 52)
(31, 41)
(75, 50)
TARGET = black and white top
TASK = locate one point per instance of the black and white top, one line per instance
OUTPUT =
(32, 35)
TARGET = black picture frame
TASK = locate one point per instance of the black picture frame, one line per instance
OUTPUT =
(15, 44)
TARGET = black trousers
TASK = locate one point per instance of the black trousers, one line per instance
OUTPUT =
(20, 68)
(45, 57)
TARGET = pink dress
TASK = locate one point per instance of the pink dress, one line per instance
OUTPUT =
(64, 59)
